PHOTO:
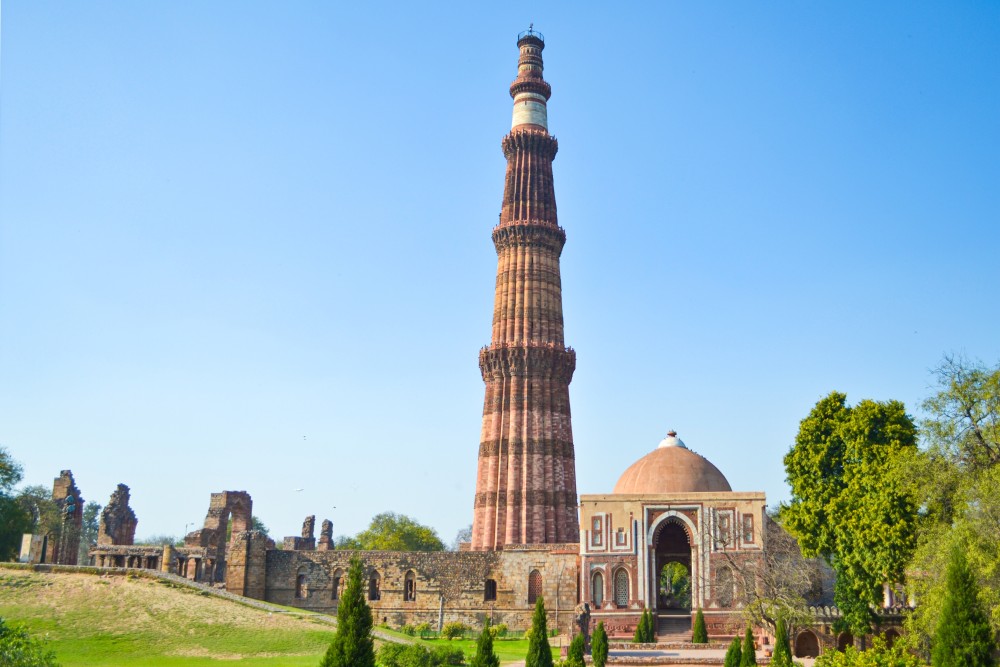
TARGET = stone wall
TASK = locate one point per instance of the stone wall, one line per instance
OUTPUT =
(447, 586)
(118, 521)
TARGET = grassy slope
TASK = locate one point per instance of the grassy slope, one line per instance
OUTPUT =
(124, 621)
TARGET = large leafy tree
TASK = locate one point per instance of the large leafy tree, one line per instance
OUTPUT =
(850, 502)
(89, 529)
(389, 531)
(352, 644)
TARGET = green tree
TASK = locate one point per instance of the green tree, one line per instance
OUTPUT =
(352, 644)
(89, 530)
(485, 657)
(734, 654)
(599, 645)
(14, 520)
(963, 638)
(850, 501)
(19, 649)
(699, 635)
(644, 631)
(574, 656)
(389, 531)
(748, 652)
(877, 655)
(539, 652)
(782, 656)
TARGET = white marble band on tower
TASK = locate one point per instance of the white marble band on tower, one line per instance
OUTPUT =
(530, 109)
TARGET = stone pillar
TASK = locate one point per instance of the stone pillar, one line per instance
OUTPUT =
(246, 569)
(168, 559)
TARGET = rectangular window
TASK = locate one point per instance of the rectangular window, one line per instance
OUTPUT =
(490, 594)
(724, 530)
(620, 537)
(748, 528)
(596, 531)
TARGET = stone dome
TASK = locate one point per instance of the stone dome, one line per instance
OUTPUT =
(672, 468)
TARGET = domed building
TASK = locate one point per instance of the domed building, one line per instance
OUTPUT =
(666, 539)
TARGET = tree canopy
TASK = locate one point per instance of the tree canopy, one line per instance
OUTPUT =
(389, 531)
(850, 502)
(14, 521)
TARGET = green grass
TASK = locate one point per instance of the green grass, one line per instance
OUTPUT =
(123, 621)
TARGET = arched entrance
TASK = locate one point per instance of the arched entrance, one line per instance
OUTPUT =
(672, 566)
(806, 645)
(846, 639)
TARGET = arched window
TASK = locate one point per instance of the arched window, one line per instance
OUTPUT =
(338, 584)
(490, 590)
(597, 589)
(374, 586)
(410, 587)
(534, 586)
(300, 586)
(724, 587)
(621, 588)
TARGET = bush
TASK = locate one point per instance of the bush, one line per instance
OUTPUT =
(574, 657)
(699, 635)
(878, 655)
(414, 655)
(734, 655)
(454, 630)
(749, 656)
(408, 630)
(599, 646)
(498, 631)
(18, 648)
(423, 629)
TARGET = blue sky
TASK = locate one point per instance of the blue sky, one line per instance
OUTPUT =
(247, 245)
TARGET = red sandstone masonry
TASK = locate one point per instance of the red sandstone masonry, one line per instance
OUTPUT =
(526, 480)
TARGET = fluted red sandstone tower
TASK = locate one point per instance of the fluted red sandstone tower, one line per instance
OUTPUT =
(526, 483)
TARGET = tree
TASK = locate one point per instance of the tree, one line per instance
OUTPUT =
(462, 536)
(850, 502)
(574, 656)
(877, 655)
(389, 531)
(352, 644)
(14, 521)
(782, 656)
(965, 413)
(19, 649)
(485, 657)
(963, 638)
(734, 654)
(599, 646)
(89, 529)
(539, 652)
(699, 635)
(748, 652)
(644, 633)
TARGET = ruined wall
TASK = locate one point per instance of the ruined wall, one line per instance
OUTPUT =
(118, 521)
(447, 586)
(64, 544)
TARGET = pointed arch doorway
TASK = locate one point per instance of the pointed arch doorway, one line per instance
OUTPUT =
(672, 567)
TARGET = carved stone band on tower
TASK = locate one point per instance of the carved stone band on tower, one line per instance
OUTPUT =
(526, 482)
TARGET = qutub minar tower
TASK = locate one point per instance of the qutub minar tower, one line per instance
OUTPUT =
(526, 481)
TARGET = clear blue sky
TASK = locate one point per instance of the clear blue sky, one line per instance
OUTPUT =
(247, 245)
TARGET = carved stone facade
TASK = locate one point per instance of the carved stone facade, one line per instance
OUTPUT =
(526, 479)
(117, 524)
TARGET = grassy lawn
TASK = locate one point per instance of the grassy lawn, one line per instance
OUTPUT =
(91, 620)
(120, 621)
(506, 649)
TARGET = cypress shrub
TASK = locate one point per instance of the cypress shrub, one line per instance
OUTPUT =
(539, 653)
(963, 637)
(352, 644)
(644, 633)
(485, 657)
(574, 657)
(599, 646)
(699, 635)
(782, 656)
(734, 655)
(749, 657)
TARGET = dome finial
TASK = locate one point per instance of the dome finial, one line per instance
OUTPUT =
(672, 440)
